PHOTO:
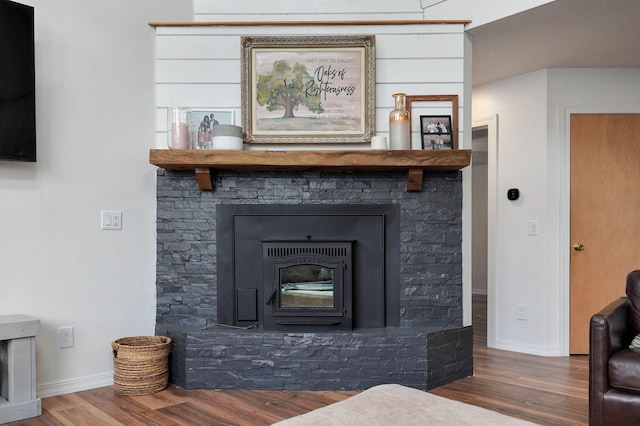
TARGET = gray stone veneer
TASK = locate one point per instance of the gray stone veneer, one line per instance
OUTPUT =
(429, 348)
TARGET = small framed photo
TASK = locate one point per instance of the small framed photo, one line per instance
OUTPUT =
(436, 132)
(437, 118)
(436, 141)
(201, 124)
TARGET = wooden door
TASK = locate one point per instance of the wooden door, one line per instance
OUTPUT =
(605, 215)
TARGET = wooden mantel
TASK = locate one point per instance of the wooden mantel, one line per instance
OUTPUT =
(307, 23)
(414, 162)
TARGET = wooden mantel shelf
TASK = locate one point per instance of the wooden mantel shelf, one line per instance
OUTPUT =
(414, 162)
(307, 23)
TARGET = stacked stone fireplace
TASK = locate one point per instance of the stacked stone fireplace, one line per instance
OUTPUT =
(311, 280)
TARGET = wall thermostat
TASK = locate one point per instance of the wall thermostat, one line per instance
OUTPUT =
(513, 194)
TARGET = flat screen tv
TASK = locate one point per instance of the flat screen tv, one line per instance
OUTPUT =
(17, 82)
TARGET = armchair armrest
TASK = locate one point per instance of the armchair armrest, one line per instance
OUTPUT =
(609, 332)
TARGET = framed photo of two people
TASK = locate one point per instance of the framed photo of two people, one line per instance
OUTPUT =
(436, 132)
(437, 118)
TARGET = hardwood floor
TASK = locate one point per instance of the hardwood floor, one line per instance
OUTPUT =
(543, 390)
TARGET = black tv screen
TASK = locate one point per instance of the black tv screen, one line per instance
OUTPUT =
(17, 82)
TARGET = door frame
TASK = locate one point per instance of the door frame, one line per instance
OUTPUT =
(491, 122)
(564, 240)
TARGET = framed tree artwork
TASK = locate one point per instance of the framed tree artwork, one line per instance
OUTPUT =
(308, 89)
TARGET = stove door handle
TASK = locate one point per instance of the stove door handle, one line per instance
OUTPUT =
(273, 295)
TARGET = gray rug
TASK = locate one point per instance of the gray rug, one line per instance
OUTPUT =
(400, 405)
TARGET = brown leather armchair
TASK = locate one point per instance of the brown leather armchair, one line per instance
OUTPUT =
(614, 369)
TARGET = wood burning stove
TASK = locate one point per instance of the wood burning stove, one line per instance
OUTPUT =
(308, 284)
(308, 267)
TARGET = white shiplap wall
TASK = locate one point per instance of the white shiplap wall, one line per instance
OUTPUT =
(199, 67)
(317, 10)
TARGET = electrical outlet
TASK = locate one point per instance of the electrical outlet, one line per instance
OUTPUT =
(65, 337)
(522, 312)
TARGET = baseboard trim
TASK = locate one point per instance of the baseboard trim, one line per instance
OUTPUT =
(526, 348)
(62, 387)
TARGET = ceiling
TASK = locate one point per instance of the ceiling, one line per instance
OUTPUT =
(560, 34)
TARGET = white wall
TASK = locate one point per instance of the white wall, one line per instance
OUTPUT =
(95, 125)
(532, 155)
(414, 59)
(479, 12)
(520, 273)
(318, 10)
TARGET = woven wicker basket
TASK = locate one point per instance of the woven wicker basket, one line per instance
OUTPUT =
(140, 364)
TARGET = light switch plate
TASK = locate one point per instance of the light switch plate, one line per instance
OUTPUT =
(111, 220)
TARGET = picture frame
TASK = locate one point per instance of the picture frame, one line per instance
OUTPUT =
(308, 89)
(200, 132)
(446, 103)
(435, 131)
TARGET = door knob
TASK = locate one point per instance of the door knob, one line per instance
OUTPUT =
(578, 247)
